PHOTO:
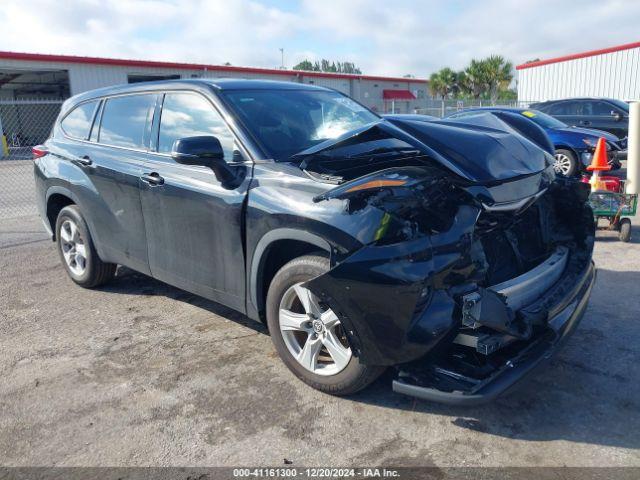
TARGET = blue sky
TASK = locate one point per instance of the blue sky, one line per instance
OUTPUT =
(382, 37)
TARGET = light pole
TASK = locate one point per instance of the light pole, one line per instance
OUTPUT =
(282, 58)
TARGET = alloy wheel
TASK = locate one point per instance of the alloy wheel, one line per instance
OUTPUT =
(312, 332)
(73, 247)
(562, 164)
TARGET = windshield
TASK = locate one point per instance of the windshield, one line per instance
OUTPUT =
(286, 122)
(620, 104)
(542, 119)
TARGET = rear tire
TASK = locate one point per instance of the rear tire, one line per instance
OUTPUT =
(566, 163)
(77, 251)
(625, 230)
(308, 336)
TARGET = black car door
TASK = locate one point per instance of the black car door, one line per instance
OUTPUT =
(610, 118)
(194, 220)
(112, 161)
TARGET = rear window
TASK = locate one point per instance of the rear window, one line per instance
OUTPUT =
(78, 123)
(126, 120)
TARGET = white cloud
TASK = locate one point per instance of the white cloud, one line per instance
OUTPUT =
(382, 37)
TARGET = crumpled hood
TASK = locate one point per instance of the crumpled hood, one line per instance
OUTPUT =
(482, 148)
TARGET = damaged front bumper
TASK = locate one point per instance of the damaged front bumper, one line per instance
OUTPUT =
(463, 390)
(467, 310)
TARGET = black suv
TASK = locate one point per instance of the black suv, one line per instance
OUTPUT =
(447, 250)
(606, 114)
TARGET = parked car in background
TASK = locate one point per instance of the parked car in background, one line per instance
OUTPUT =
(450, 252)
(606, 114)
(574, 146)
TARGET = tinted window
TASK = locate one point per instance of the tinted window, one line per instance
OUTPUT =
(566, 108)
(191, 115)
(557, 109)
(78, 123)
(126, 119)
(602, 109)
(286, 122)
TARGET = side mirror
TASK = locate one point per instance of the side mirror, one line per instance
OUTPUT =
(617, 116)
(204, 150)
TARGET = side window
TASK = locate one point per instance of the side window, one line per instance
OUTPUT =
(571, 108)
(602, 109)
(585, 108)
(78, 123)
(126, 119)
(557, 109)
(190, 115)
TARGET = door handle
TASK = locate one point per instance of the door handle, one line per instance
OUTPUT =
(85, 161)
(152, 178)
(585, 122)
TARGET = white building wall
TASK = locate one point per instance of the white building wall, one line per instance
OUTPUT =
(83, 77)
(614, 75)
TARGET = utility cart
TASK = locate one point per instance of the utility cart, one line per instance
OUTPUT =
(616, 207)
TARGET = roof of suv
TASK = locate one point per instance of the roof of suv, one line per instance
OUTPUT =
(220, 84)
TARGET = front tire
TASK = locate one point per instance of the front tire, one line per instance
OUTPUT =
(77, 251)
(566, 162)
(309, 336)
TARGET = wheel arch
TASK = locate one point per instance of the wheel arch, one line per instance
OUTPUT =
(272, 252)
(564, 146)
(57, 198)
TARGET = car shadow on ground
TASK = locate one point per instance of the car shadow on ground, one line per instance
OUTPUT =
(131, 282)
(588, 393)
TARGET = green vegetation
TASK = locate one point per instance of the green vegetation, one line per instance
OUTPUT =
(486, 79)
(327, 66)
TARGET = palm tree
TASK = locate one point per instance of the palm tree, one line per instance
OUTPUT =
(443, 83)
(475, 78)
(498, 75)
(436, 85)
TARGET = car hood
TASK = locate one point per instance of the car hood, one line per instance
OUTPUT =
(581, 133)
(482, 150)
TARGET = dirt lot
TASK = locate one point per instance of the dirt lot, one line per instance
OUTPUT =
(139, 373)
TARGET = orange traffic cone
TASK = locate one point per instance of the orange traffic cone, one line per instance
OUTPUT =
(599, 164)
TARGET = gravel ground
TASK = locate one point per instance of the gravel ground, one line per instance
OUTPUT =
(139, 373)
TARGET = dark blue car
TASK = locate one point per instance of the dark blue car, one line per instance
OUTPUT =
(574, 145)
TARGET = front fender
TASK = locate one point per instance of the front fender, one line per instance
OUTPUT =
(258, 259)
(397, 300)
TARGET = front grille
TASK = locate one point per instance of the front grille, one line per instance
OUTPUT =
(515, 242)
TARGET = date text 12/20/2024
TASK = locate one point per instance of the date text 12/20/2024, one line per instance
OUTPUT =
(315, 473)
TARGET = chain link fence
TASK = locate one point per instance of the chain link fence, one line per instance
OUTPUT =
(23, 124)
